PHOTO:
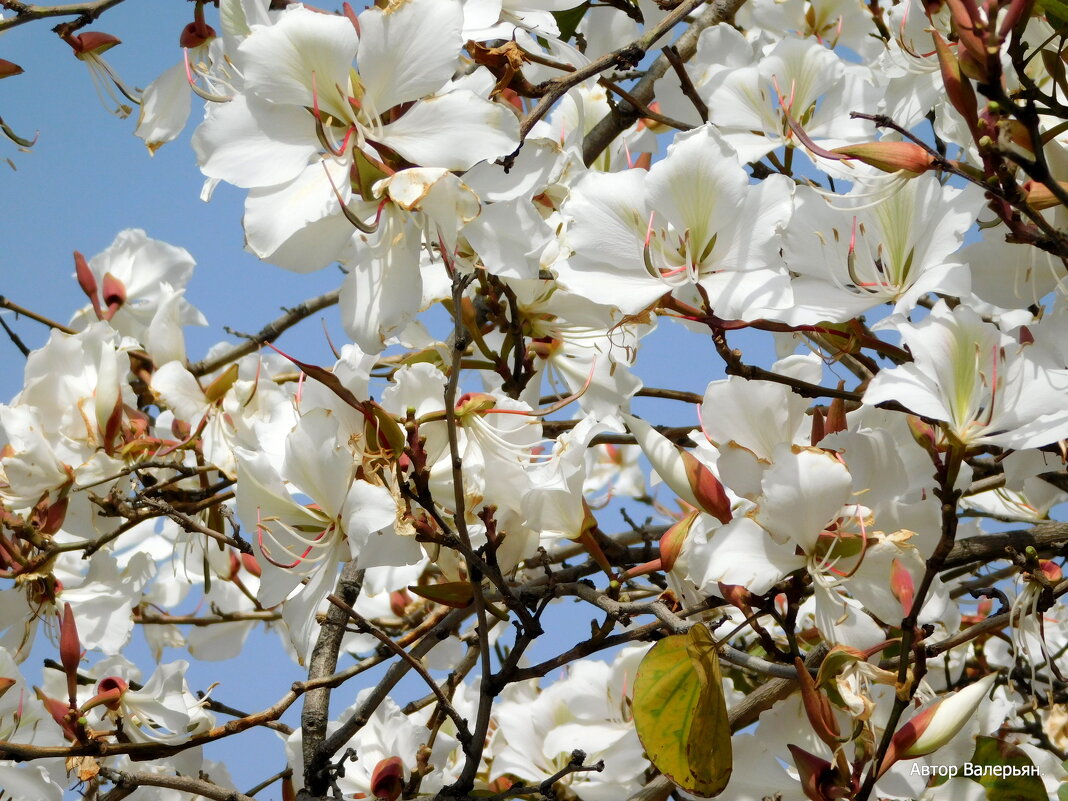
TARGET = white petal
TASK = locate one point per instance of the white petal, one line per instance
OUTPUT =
(280, 60)
(803, 491)
(299, 225)
(165, 105)
(738, 553)
(408, 51)
(249, 143)
(383, 289)
(455, 131)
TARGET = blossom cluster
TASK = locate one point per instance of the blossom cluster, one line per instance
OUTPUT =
(435, 494)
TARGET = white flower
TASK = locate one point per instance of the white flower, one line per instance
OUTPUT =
(989, 388)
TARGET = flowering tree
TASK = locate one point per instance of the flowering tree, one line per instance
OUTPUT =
(871, 192)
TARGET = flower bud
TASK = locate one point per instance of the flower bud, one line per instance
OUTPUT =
(387, 779)
(936, 725)
(70, 652)
(958, 88)
(1039, 196)
(399, 601)
(673, 540)
(890, 156)
(902, 585)
(681, 471)
(114, 292)
(60, 712)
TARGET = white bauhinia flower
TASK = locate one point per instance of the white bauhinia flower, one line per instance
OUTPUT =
(305, 117)
(895, 251)
(162, 711)
(692, 221)
(384, 287)
(588, 709)
(798, 79)
(130, 281)
(347, 519)
(989, 388)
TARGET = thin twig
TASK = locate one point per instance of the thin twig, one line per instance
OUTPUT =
(365, 625)
(672, 54)
(22, 311)
(268, 333)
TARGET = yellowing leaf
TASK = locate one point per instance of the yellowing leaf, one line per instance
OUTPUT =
(680, 713)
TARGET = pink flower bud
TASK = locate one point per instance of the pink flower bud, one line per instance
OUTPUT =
(70, 652)
(958, 89)
(902, 585)
(250, 564)
(399, 601)
(114, 292)
(890, 156)
(1039, 196)
(707, 489)
(936, 725)
(673, 540)
(387, 779)
(61, 713)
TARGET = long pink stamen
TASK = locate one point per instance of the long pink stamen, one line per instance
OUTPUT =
(188, 69)
(267, 554)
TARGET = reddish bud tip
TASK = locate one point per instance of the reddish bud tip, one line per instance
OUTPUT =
(195, 34)
(86, 279)
(91, 43)
(114, 292)
(902, 585)
(111, 689)
(9, 68)
(60, 712)
(673, 540)
(387, 780)
(54, 517)
(707, 489)
(399, 601)
(736, 595)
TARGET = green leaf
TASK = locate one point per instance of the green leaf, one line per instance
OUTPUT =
(568, 21)
(992, 751)
(1056, 12)
(680, 713)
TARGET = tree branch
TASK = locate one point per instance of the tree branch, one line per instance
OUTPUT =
(624, 114)
(268, 333)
